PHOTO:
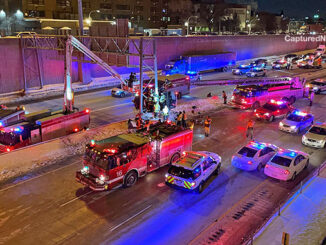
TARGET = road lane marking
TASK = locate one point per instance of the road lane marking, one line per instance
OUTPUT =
(112, 106)
(130, 218)
(66, 203)
(36, 177)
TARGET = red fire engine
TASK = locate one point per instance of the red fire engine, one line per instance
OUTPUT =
(41, 126)
(255, 95)
(126, 157)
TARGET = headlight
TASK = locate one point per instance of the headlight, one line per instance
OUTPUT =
(304, 137)
(315, 88)
(166, 175)
(237, 70)
(266, 114)
(102, 177)
(281, 124)
(85, 170)
(321, 141)
(193, 184)
(293, 127)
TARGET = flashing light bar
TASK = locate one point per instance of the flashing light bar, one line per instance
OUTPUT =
(92, 142)
(110, 150)
(300, 113)
(87, 110)
(1, 124)
(278, 102)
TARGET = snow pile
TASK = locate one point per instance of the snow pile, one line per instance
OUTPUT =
(26, 160)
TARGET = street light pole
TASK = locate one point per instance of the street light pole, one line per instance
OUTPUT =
(187, 23)
(81, 18)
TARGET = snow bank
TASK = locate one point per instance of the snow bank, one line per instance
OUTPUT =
(25, 160)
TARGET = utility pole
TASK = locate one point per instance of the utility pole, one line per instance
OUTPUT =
(81, 33)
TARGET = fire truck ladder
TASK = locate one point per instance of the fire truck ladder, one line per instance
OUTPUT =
(245, 81)
(86, 51)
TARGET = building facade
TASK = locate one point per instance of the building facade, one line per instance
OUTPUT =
(141, 13)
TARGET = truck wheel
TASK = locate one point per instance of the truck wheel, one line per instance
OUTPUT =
(255, 105)
(200, 188)
(122, 95)
(174, 158)
(131, 179)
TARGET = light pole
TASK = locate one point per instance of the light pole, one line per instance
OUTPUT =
(250, 22)
(188, 23)
(89, 19)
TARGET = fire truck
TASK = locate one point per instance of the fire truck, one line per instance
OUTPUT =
(41, 126)
(9, 116)
(124, 158)
(252, 96)
(173, 87)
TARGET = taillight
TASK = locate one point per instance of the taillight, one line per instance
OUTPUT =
(266, 166)
(75, 129)
(250, 162)
(87, 110)
(287, 172)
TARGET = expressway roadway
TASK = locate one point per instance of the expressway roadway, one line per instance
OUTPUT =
(50, 207)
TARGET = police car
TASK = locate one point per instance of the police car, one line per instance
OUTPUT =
(316, 136)
(192, 170)
(286, 164)
(253, 156)
(256, 72)
(296, 122)
(241, 69)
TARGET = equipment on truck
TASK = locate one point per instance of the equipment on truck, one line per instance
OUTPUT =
(9, 116)
(170, 88)
(260, 92)
(193, 64)
(126, 157)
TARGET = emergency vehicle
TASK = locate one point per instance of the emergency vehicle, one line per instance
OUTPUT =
(316, 136)
(192, 170)
(279, 64)
(253, 96)
(41, 126)
(320, 50)
(253, 156)
(318, 86)
(310, 62)
(256, 72)
(9, 116)
(273, 109)
(296, 122)
(124, 158)
(242, 69)
(286, 164)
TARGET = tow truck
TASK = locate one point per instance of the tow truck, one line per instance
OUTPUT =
(124, 158)
(273, 109)
(258, 92)
(192, 170)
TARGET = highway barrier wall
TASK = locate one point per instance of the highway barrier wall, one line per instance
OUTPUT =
(51, 63)
(32, 157)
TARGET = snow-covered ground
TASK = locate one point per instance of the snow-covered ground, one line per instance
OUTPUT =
(303, 217)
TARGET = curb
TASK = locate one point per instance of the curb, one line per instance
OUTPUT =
(296, 191)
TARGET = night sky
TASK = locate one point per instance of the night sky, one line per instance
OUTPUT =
(294, 8)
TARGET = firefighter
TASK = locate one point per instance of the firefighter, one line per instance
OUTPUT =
(250, 129)
(192, 125)
(184, 119)
(139, 122)
(311, 97)
(207, 125)
(147, 125)
(157, 109)
(165, 113)
(288, 64)
(179, 119)
(224, 97)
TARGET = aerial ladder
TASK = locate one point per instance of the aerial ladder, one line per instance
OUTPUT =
(72, 43)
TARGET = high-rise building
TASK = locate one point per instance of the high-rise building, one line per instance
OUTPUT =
(141, 13)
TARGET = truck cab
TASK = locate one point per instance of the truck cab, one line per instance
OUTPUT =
(124, 158)
(192, 170)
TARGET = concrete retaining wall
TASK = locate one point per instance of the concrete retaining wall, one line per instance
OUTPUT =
(52, 66)
(24, 160)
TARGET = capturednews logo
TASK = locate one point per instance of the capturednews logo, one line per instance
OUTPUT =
(302, 38)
